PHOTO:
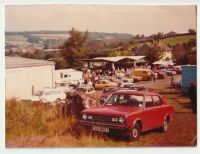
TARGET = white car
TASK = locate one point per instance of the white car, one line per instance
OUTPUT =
(49, 95)
(126, 84)
(85, 89)
(127, 80)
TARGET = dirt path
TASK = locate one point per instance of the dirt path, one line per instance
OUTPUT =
(183, 128)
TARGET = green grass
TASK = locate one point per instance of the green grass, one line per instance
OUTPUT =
(178, 40)
(51, 36)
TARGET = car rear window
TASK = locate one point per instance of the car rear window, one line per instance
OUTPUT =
(148, 101)
(157, 101)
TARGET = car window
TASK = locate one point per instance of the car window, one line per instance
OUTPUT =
(126, 99)
(112, 100)
(148, 101)
(157, 101)
(136, 100)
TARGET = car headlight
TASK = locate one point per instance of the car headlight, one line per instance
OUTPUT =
(84, 116)
(121, 120)
(115, 119)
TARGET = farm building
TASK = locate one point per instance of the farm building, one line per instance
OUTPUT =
(145, 47)
(24, 76)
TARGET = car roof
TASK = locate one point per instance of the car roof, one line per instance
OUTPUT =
(135, 92)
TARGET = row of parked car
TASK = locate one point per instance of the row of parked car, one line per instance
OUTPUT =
(58, 94)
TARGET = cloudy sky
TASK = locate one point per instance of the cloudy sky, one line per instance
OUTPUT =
(134, 19)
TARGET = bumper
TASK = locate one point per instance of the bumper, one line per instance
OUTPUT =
(111, 126)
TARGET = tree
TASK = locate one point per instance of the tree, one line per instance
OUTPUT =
(191, 31)
(154, 53)
(75, 47)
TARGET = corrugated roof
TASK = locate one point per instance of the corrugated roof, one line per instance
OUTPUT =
(14, 62)
(115, 59)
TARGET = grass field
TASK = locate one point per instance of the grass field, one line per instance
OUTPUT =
(51, 36)
(178, 40)
(17, 40)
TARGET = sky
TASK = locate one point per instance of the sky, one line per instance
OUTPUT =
(133, 19)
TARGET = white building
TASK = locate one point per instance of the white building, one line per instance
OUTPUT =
(24, 76)
(67, 76)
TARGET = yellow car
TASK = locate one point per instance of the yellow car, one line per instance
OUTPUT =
(144, 73)
(101, 84)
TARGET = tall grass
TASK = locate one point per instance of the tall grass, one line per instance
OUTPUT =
(39, 125)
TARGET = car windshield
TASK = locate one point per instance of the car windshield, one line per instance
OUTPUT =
(126, 99)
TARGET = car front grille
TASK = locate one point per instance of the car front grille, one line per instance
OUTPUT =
(101, 118)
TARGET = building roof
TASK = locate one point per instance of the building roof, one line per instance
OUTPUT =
(15, 62)
(163, 63)
(118, 58)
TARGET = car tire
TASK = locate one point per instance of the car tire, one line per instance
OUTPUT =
(164, 128)
(135, 132)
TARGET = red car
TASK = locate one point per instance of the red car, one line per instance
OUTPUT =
(160, 74)
(129, 113)
(177, 69)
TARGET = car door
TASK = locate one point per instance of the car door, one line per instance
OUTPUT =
(98, 85)
(159, 110)
(104, 84)
(148, 116)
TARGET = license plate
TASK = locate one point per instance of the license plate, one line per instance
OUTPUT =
(100, 129)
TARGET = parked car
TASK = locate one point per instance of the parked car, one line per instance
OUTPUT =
(84, 89)
(177, 69)
(136, 78)
(144, 73)
(160, 74)
(138, 88)
(168, 72)
(99, 85)
(126, 85)
(49, 95)
(127, 80)
(129, 113)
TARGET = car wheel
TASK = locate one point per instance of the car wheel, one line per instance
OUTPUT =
(164, 128)
(135, 132)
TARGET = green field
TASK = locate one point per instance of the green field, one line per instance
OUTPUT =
(17, 40)
(51, 36)
(178, 39)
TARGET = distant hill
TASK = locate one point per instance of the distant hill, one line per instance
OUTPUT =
(92, 35)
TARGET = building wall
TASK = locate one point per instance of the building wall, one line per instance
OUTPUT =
(19, 81)
(167, 55)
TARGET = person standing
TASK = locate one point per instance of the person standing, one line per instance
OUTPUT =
(193, 96)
